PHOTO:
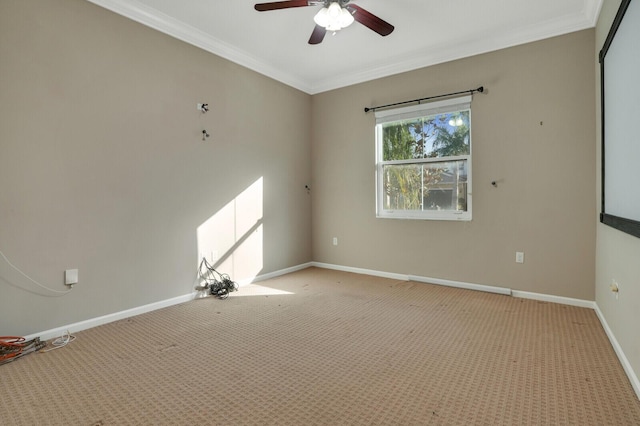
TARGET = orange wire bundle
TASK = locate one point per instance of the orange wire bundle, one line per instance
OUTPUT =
(13, 347)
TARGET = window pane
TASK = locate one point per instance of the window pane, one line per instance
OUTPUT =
(428, 186)
(402, 187)
(436, 136)
(400, 141)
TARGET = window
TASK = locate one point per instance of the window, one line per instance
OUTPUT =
(423, 161)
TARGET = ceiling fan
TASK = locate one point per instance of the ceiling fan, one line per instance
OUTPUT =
(334, 15)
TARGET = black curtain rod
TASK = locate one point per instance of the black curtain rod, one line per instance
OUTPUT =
(479, 89)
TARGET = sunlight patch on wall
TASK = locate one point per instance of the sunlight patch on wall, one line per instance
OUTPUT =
(232, 239)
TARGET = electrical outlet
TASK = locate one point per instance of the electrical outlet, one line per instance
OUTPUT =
(519, 257)
(71, 276)
(335, 241)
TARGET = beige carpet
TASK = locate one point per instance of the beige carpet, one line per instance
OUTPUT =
(340, 349)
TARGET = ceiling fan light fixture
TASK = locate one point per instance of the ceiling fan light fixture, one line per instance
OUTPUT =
(322, 17)
(346, 18)
(334, 17)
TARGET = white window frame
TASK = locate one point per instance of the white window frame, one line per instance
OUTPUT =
(422, 110)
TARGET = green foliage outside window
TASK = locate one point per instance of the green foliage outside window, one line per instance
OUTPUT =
(408, 185)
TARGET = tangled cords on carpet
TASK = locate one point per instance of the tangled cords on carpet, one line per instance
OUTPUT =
(14, 347)
(218, 285)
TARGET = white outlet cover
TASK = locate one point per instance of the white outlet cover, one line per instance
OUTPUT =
(71, 276)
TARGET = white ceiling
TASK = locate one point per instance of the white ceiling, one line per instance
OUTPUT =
(426, 32)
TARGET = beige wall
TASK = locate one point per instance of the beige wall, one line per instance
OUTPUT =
(617, 253)
(533, 133)
(102, 166)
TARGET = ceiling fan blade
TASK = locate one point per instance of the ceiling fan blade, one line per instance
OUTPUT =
(317, 35)
(370, 20)
(275, 5)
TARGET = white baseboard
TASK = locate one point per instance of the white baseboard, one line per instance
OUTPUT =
(626, 365)
(372, 272)
(105, 319)
(580, 303)
(116, 316)
(460, 284)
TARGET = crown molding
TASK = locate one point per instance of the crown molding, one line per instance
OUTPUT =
(457, 49)
(159, 21)
(592, 10)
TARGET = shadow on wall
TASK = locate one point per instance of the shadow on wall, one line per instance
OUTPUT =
(232, 238)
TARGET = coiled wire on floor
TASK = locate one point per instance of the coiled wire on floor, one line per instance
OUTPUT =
(216, 283)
